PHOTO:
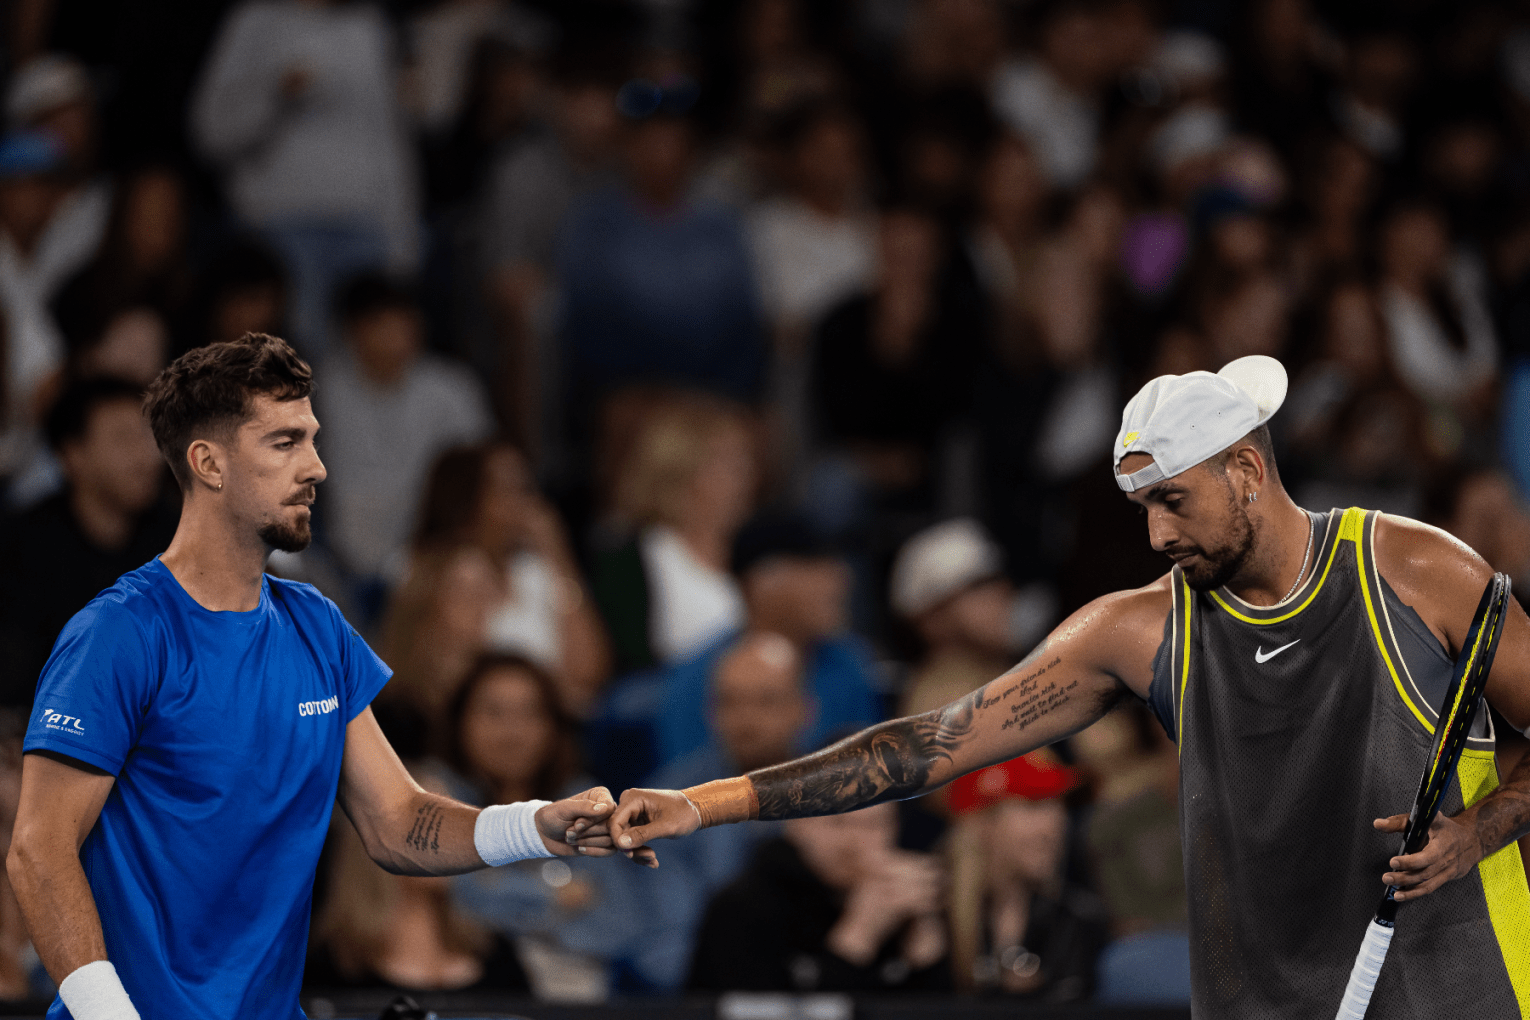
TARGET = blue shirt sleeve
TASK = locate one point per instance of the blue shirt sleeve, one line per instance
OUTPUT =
(363, 673)
(96, 688)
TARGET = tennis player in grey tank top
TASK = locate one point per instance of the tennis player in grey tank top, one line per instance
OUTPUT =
(1298, 658)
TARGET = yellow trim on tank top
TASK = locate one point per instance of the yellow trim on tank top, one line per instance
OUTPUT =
(1503, 881)
(1353, 529)
(1305, 602)
(1184, 679)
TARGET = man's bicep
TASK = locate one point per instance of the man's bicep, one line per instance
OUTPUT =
(60, 795)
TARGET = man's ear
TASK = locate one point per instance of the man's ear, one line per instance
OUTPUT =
(1246, 469)
(206, 460)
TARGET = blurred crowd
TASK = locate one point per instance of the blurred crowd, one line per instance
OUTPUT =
(703, 381)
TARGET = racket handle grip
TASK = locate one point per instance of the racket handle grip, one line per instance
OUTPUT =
(1362, 980)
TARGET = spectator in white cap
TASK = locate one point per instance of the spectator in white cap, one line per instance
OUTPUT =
(948, 583)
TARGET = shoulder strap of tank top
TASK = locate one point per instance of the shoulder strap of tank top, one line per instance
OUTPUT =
(1183, 613)
(1383, 631)
(1360, 529)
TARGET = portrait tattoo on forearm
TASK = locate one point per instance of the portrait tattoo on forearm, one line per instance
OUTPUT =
(425, 834)
(895, 760)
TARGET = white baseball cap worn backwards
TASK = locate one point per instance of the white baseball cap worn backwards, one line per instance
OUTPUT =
(1180, 420)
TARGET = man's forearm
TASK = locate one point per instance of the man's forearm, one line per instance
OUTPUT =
(58, 906)
(1503, 816)
(891, 761)
(434, 836)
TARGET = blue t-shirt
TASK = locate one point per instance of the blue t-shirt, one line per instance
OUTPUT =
(225, 732)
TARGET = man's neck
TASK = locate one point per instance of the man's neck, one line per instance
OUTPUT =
(1280, 553)
(220, 565)
(106, 525)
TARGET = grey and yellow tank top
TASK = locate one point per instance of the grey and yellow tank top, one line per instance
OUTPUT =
(1297, 725)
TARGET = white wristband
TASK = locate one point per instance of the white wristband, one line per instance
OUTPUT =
(94, 992)
(508, 832)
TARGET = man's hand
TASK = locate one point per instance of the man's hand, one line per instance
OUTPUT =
(895, 888)
(577, 824)
(646, 815)
(1450, 852)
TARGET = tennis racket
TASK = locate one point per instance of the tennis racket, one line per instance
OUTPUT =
(1455, 721)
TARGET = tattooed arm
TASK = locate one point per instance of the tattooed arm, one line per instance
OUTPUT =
(411, 831)
(1092, 660)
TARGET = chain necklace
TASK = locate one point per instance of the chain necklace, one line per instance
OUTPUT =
(1306, 558)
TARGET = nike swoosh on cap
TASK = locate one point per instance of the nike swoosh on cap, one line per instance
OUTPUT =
(1260, 655)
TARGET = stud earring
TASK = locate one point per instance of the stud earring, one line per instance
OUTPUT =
(1252, 497)
(220, 488)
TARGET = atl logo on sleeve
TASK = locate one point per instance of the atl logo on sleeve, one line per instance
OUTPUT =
(63, 723)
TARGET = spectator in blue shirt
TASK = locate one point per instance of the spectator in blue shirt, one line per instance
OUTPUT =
(657, 287)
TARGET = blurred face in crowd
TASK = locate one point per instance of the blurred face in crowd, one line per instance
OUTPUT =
(769, 29)
(759, 709)
(1344, 187)
(269, 469)
(1025, 842)
(115, 461)
(836, 848)
(1381, 69)
(509, 88)
(1095, 225)
(1463, 157)
(804, 598)
(1492, 518)
(1249, 320)
(1011, 188)
(154, 221)
(721, 490)
(248, 309)
(587, 119)
(976, 618)
(1352, 332)
(659, 160)
(1197, 521)
(1242, 242)
(467, 589)
(73, 126)
(134, 346)
(909, 248)
(386, 343)
(507, 732)
(1378, 434)
(828, 166)
(507, 499)
(1415, 244)
(26, 203)
(1283, 31)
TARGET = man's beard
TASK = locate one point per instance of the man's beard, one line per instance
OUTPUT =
(286, 537)
(1215, 567)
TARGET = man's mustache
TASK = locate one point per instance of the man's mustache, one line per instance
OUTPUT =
(302, 498)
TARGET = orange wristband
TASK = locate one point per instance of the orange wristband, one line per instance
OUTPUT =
(724, 800)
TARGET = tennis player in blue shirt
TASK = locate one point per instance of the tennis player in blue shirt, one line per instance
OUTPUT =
(195, 722)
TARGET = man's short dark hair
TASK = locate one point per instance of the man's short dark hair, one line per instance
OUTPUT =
(69, 417)
(209, 391)
(367, 294)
